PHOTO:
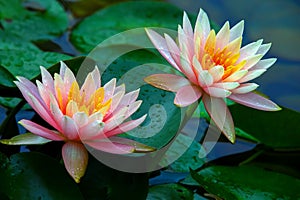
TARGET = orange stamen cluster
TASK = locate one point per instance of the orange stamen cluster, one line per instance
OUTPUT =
(227, 57)
(78, 102)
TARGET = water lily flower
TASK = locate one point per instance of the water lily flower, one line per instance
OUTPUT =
(88, 115)
(215, 67)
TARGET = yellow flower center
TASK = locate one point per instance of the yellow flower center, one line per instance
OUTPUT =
(227, 57)
(78, 101)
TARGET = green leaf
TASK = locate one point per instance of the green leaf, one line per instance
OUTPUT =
(9, 102)
(6, 78)
(189, 159)
(10, 9)
(247, 182)
(36, 176)
(110, 21)
(27, 63)
(25, 139)
(279, 129)
(45, 20)
(169, 191)
(239, 132)
(163, 119)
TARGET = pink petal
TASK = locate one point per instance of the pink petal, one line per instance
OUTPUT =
(251, 61)
(245, 88)
(226, 85)
(205, 79)
(161, 45)
(236, 31)
(116, 99)
(127, 126)
(249, 50)
(129, 98)
(109, 89)
(81, 119)
(88, 87)
(202, 27)
(47, 80)
(187, 27)
(95, 116)
(110, 147)
(217, 92)
(115, 120)
(219, 113)
(41, 109)
(69, 128)
(26, 87)
(187, 69)
(252, 75)
(169, 82)
(132, 108)
(254, 101)
(263, 49)
(41, 131)
(44, 93)
(223, 35)
(186, 36)
(173, 50)
(63, 68)
(57, 115)
(264, 64)
(68, 77)
(236, 76)
(96, 77)
(91, 130)
(120, 88)
(197, 67)
(187, 95)
(75, 159)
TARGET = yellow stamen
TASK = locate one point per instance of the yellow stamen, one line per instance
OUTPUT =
(88, 105)
(226, 57)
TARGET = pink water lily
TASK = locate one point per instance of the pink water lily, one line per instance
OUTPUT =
(215, 67)
(88, 115)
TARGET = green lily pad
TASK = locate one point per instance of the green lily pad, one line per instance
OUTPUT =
(6, 78)
(190, 158)
(163, 120)
(247, 182)
(35, 176)
(279, 129)
(124, 16)
(46, 19)
(169, 191)
(27, 63)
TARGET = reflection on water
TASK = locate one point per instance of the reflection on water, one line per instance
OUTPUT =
(275, 21)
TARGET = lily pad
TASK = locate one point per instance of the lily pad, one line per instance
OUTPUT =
(169, 191)
(247, 182)
(27, 63)
(121, 17)
(163, 120)
(35, 176)
(44, 20)
(190, 158)
(279, 129)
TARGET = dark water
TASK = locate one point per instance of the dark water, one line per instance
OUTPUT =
(275, 21)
